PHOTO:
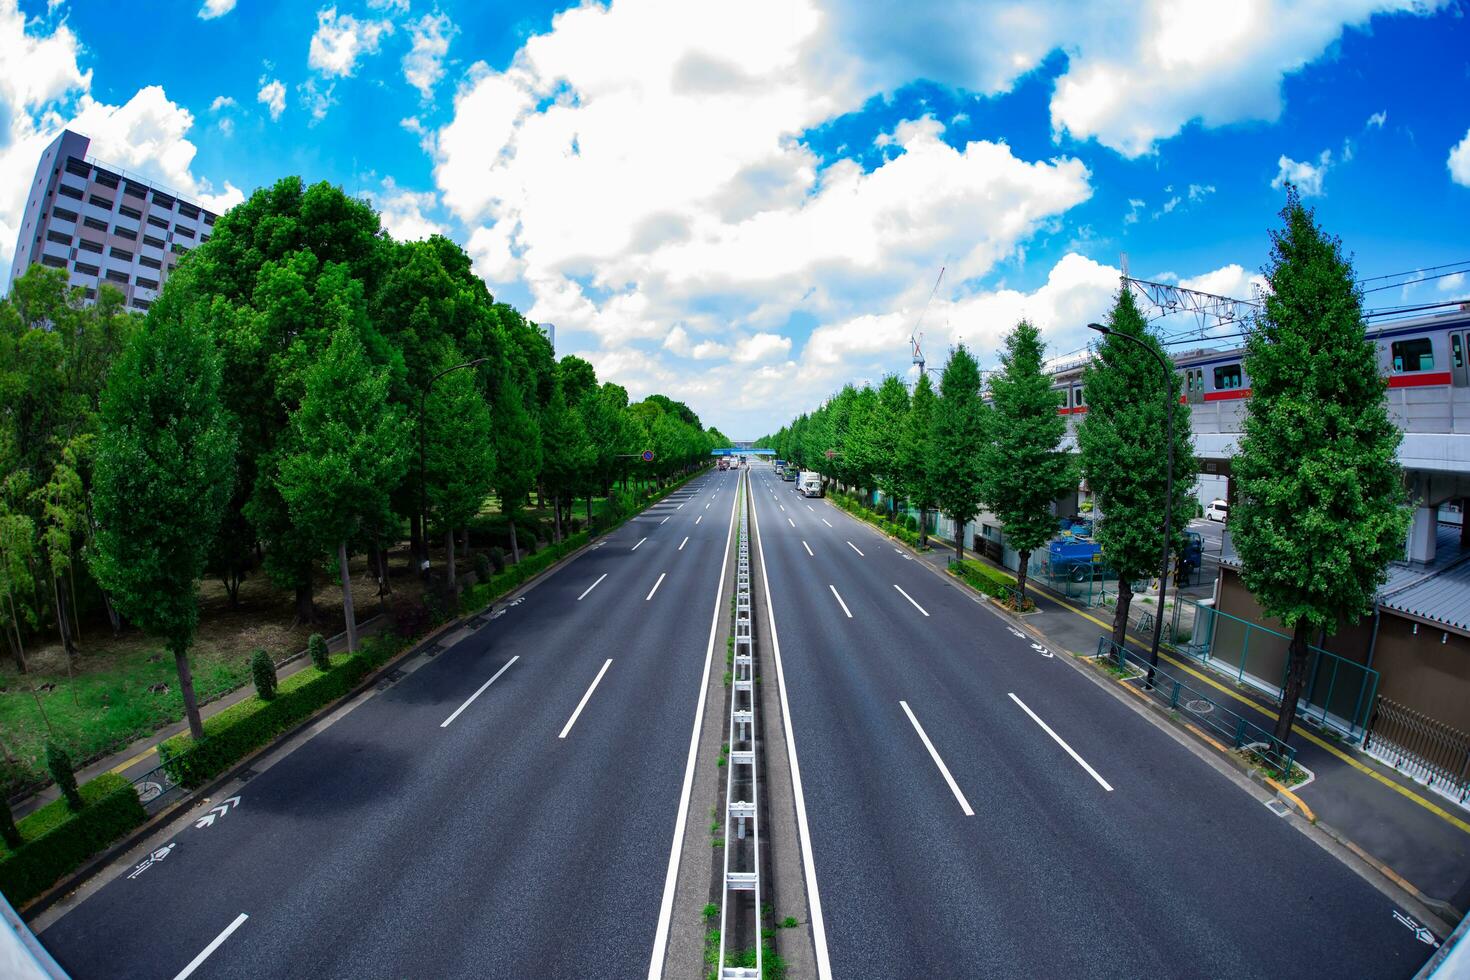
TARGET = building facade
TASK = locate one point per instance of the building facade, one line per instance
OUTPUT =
(105, 225)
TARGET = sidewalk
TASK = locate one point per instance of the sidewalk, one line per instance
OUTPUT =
(1412, 834)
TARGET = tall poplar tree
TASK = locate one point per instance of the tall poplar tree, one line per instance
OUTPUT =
(164, 471)
(885, 436)
(915, 451)
(1025, 468)
(960, 433)
(517, 454)
(1320, 508)
(459, 455)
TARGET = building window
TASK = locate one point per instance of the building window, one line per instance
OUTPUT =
(155, 242)
(158, 222)
(149, 263)
(181, 230)
(115, 275)
(90, 246)
(141, 304)
(90, 292)
(127, 233)
(79, 167)
(120, 253)
(87, 269)
(105, 179)
(64, 214)
(72, 192)
(95, 224)
(147, 283)
(54, 261)
(137, 190)
(161, 200)
(58, 237)
(100, 202)
(203, 239)
(1228, 378)
(179, 249)
(188, 210)
(1412, 355)
(209, 218)
(128, 212)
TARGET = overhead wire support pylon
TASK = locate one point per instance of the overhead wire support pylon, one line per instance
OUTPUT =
(1209, 310)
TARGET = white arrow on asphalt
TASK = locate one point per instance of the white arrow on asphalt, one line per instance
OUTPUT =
(1041, 649)
(215, 812)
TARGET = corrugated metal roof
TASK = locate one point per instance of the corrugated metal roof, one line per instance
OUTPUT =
(1442, 597)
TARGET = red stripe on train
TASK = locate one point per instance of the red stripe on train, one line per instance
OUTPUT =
(1418, 380)
(1225, 396)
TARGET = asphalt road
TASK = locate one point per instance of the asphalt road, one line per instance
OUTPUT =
(431, 833)
(1018, 858)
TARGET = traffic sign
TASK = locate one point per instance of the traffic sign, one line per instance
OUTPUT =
(648, 455)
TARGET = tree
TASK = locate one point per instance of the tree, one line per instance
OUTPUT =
(916, 454)
(347, 452)
(885, 436)
(459, 453)
(1124, 452)
(960, 432)
(164, 470)
(1025, 470)
(566, 453)
(17, 541)
(1320, 508)
(517, 454)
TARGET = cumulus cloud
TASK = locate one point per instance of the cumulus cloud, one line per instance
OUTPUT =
(1453, 283)
(1198, 192)
(1459, 161)
(221, 102)
(760, 347)
(1377, 120)
(215, 8)
(423, 66)
(341, 39)
(402, 211)
(1134, 206)
(1308, 177)
(272, 95)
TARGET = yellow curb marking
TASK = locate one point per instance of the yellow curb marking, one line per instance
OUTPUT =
(1306, 810)
(135, 759)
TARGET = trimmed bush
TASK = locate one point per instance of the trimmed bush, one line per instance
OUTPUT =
(983, 578)
(58, 763)
(498, 557)
(482, 567)
(316, 648)
(55, 840)
(240, 729)
(8, 833)
(911, 523)
(263, 672)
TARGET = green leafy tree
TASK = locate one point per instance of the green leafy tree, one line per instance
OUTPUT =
(961, 428)
(1320, 509)
(1025, 470)
(263, 673)
(9, 833)
(459, 453)
(164, 470)
(916, 454)
(348, 450)
(58, 763)
(517, 454)
(566, 453)
(885, 435)
(1124, 452)
(17, 543)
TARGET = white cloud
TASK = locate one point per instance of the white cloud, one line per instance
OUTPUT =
(1172, 203)
(317, 98)
(221, 102)
(402, 211)
(215, 8)
(1459, 161)
(1453, 283)
(1307, 177)
(389, 6)
(341, 39)
(1198, 192)
(760, 347)
(1231, 280)
(1377, 120)
(272, 95)
(423, 66)
(707, 349)
(1134, 206)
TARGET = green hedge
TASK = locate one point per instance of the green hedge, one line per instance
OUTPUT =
(879, 520)
(991, 581)
(57, 841)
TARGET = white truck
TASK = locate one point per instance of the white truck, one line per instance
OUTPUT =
(809, 484)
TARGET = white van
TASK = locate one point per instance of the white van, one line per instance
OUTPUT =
(810, 484)
(1218, 510)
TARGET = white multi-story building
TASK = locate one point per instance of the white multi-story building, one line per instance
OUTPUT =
(105, 225)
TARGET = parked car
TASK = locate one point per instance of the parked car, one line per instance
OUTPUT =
(1218, 510)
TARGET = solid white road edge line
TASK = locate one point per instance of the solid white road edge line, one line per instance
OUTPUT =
(839, 601)
(671, 876)
(585, 698)
(813, 897)
(592, 586)
(683, 543)
(808, 548)
(943, 769)
(640, 542)
(910, 599)
(855, 548)
(194, 963)
(655, 586)
(1058, 739)
(471, 699)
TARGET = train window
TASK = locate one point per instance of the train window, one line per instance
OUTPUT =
(1077, 392)
(1228, 377)
(1412, 355)
(1457, 351)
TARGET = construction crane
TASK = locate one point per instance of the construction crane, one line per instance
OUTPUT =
(916, 338)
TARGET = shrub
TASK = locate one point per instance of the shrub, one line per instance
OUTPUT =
(911, 523)
(983, 578)
(58, 763)
(1086, 507)
(8, 833)
(316, 648)
(55, 840)
(482, 566)
(263, 672)
(241, 728)
(497, 560)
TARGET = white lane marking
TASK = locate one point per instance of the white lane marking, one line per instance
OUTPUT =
(811, 508)
(943, 769)
(639, 544)
(592, 586)
(791, 522)
(706, 506)
(840, 602)
(683, 543)
(218, 940)
(814, 898)
(585, 698)
(699, 518)
(1058, 739)
(665, 520)
(655, 586)
(471, 699)
(826, 522)
(808, 548)
(783, 508)
(855, 548)
(676, 849)
(681, 506)
(910, 599)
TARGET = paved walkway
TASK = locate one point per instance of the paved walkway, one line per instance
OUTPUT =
(1414, 835)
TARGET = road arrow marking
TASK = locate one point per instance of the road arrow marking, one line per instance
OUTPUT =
(1041, 650)
(216, 812)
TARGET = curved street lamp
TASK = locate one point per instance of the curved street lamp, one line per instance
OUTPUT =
(1153, 654)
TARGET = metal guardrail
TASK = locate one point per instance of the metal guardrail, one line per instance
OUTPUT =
(741, 899)
(1420, 746)
(1179, 694)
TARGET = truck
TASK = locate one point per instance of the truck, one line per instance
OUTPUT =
(789, 474)
(809, 484)
(724, 463)
(780, 467)
(1075, 559)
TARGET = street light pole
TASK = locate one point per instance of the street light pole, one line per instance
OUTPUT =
(1153, 654)
(423, 492)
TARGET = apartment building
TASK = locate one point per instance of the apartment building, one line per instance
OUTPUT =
(105, 225)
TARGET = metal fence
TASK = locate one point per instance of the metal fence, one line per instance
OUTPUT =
(1177, 690)
(1421, 747)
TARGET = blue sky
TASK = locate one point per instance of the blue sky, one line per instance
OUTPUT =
(745, 206)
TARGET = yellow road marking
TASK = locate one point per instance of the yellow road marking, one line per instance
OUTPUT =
(135, 759)
(1365, 770)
